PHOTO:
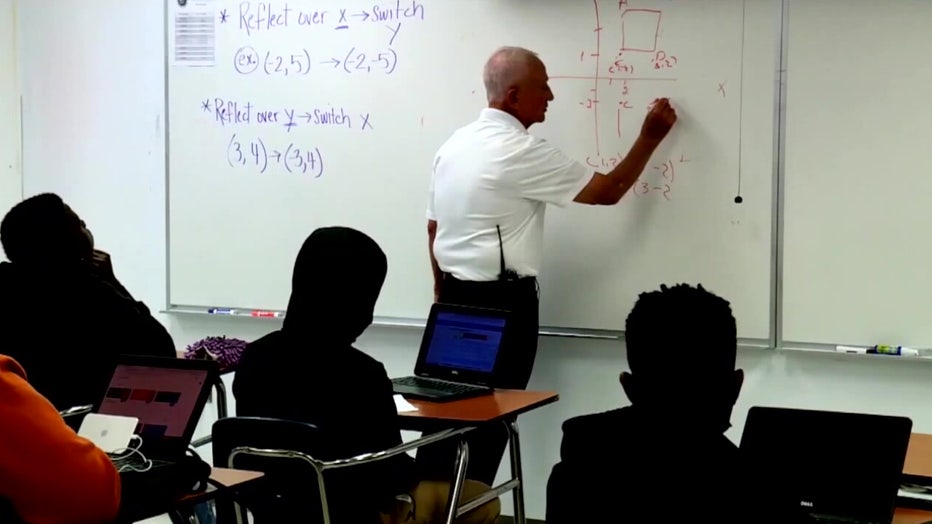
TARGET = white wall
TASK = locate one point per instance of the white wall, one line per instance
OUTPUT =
(10, 173)
(125, 204)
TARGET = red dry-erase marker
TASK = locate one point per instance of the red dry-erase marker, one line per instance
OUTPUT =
(266, 314)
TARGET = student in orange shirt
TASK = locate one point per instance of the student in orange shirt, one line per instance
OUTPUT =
(48, 474)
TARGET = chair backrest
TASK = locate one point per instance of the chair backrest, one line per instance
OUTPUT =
(75, 415)
(289, 491)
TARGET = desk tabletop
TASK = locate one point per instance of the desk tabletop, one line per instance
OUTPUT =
(919, 456)
(504, 403)
(911, 516)
(228, 478)
(233, 477)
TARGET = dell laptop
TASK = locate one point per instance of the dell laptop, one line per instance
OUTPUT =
(166, 395)
(459, 353)
(805, 466)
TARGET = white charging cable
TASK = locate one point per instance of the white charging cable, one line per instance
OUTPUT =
(125, 459)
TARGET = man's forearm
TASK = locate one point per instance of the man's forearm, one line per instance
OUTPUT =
(627, 172)
(435, 268)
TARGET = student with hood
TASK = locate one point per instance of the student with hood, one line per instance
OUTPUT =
(293, 374)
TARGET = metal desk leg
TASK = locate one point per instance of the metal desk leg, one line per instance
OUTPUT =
(514, 445)
(221, 390)
(456, 488)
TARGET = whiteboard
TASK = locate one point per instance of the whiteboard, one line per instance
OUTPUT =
(857, 256)
(94, 124)
(281, 122)
(10, 133)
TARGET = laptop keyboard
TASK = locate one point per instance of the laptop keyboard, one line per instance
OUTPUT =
(437, 385)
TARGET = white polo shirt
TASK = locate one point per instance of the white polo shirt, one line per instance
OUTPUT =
(493, 172)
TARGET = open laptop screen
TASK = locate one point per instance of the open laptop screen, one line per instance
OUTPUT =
(803, 463)
(465, 342)
(166, 401)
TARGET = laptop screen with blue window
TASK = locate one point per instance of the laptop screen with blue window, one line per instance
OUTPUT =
(465, 342)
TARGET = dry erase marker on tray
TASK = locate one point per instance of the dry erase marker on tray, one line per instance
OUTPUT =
(851, 349)
(266, 314)
(221, 311)
(882, 349)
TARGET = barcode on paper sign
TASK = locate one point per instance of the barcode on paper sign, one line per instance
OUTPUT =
(195, 39)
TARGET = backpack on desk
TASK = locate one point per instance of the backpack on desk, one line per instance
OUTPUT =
(226, 351)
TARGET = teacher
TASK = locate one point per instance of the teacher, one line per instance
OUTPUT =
(490, 186)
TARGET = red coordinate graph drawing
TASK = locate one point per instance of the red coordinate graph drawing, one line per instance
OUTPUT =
(630, 62)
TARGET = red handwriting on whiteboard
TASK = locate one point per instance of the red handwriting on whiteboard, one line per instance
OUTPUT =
(624, 76)
(599, 162)
(662, 60)
(667, 170)
(644, 188)
(620, 67)
(661, 179)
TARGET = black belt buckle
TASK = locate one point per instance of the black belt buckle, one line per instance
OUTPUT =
(509, 275)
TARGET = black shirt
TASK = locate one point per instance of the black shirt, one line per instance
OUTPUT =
(348, 396)
(67, 328)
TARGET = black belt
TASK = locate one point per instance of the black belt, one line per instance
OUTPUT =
(448, 276)
(516, 285)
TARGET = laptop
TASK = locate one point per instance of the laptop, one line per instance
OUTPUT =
(166, 395)
(818, 466)
(111, 433)
(459, 352)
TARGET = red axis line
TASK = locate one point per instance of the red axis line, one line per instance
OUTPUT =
(598, 67)
(610, 78)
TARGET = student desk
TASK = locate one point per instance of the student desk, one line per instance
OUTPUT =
(919, 457)
(911, 516)
(503, 406)
(229, 480)
(918, 468)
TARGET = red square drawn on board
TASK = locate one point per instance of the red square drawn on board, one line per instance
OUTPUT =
(640, 29)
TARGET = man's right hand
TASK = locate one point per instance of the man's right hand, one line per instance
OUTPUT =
(608, 189)
(659, 120)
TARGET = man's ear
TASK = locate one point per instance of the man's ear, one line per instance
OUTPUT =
(511, 96)
(629, 385)
(737, 382)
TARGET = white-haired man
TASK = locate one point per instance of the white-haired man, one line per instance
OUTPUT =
(490, 186)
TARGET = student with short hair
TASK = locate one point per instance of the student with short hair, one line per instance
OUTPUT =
(668, 446)
(64, 315)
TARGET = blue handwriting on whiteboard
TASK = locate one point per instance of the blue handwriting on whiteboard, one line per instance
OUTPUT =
(233, 113)
(291, 158)
(256, 17)
(299, 62)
